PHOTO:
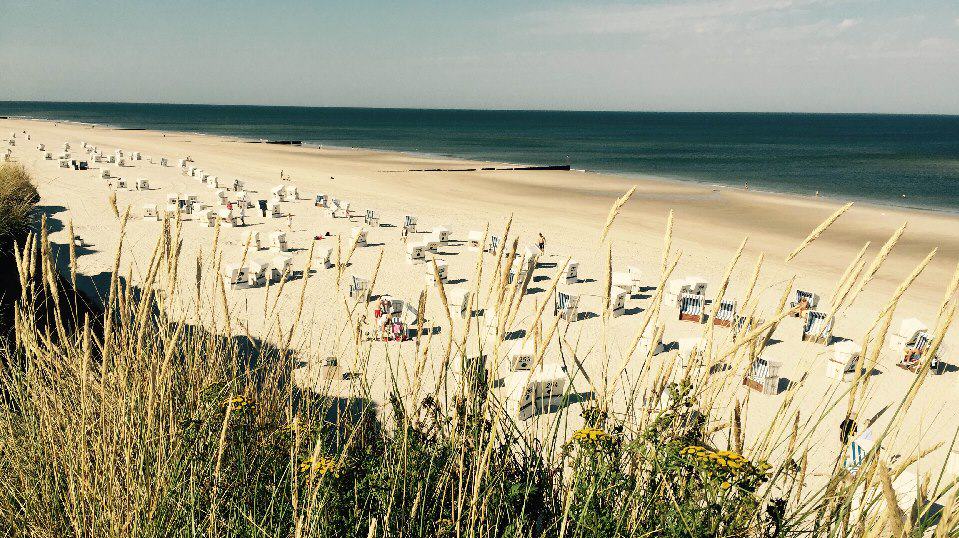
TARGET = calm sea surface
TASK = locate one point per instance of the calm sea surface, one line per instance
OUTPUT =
(877, 158)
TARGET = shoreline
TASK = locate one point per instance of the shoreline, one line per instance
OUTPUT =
(625, 176)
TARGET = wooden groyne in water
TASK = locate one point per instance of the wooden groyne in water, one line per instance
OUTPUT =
(561, 167)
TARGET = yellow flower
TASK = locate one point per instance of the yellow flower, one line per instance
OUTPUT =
(590, 435)
(725, 485)
(321, 465)
(239, 402)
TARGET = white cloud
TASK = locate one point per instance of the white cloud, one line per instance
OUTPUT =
(698, 16)
(847, 24)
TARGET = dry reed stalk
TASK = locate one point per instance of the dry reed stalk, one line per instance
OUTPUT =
(614, 212)
(302, 301)
(517, 291)
(482, 468)
(22, 257)
(755, 333)
(538, 359)
(737, 430)
(878, 261)
(950, 292)
(225, 305)
(904, 464)
(648, 316)
(420, 315)
(818, 231)
(907, 283)
(720, 295)
(894, 515)
(442, 293)
(340, 264)
(501, 250)
(112, 296)
(849, 276)
(608, 288)
(376, 270)
(444, 364)
(173, 260)
(922, 373)
(549, 293)
(803, 467)
(221, 447)
(349, 255)
(504, 277)
(73, 256)
(870, 356)
(948, 518)
(726, 276)
(474, 296)
(113, 204)
(793, 437)
(842, 294)
(152, 271)
(667, 240)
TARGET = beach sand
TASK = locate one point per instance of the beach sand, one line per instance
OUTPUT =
(569, 208)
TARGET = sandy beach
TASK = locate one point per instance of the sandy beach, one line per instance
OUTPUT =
(569, 209)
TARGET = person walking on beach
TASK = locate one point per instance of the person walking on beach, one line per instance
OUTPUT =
(262, 204)
(243, 214)
(541, 244)
(289, 219)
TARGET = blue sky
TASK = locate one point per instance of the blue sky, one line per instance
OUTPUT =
(730, 55)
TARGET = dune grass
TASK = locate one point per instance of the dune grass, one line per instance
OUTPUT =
(17, 199)
(154, 425)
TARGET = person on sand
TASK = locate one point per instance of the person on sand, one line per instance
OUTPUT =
(746, 186)
(262, 204)
(541, 243)
(847, 429)
(243, 214)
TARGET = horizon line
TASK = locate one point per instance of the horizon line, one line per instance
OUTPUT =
(468, 109)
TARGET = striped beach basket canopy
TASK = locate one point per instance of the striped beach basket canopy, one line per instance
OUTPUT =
(727, 310)
(816, 324)
(691, 304)
(563, 300)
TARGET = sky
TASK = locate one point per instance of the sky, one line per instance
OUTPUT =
(895, 56)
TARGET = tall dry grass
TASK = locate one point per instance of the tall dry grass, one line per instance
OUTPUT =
(17, 199)
(173, 420)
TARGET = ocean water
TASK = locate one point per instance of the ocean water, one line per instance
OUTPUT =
(878, 158)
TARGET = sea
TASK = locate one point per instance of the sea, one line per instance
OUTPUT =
(902, 160)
